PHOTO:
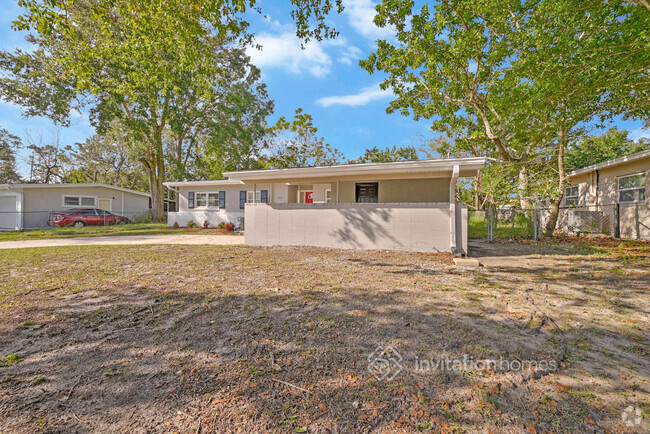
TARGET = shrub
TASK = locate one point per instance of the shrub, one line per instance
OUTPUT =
(191, 224)
(230, 227)
(206, 224)
(221, 225)
(145, 217)
(175, 225)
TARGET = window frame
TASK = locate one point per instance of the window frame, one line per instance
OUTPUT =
(207, 200)
(359, 185)
(80, 198)
(243, 198)
(576, 197)
(191, 201)
(256, 193)
(618, 188)
(328, 199)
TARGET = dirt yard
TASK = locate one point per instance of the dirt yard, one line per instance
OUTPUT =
(227, 338)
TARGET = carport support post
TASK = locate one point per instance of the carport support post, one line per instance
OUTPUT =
(453, 227)
(19, 211)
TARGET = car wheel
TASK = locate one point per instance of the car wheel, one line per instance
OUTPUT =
(122, 222)
(78, 224)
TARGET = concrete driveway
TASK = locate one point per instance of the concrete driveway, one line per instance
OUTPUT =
(215, 240)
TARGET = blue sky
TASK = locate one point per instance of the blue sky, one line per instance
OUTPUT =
(324, 79)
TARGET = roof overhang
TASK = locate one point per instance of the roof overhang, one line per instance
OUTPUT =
(71, 185)
(610, 163)
(402, 169)
(202, 183)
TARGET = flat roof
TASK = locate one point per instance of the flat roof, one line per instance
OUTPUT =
(472, 164)
(72, 185)
(200, 183)
(611, 163)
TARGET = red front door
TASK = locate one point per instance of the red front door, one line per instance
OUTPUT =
(309, 197)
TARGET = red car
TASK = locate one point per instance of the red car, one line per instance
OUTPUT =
(86, 217)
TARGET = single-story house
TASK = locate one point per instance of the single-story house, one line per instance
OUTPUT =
(216, 202)
(28, 206)
(609, 197)
(407, 205)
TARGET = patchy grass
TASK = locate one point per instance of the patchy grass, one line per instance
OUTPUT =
(99, 231)
(207, 338)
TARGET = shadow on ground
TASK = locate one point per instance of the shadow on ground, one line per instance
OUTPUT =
(238, 339)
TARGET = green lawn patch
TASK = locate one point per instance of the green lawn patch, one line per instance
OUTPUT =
(99, 231)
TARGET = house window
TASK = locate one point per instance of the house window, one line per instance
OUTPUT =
(264, 196)
(367, 192)
(207, 200)
(571, 195)
(242, 199)
(253, 196)
(201, 200)
(190, 200)
(631, 188)
(328, 196)
(213, 200)
(72, 201)
(222, 199)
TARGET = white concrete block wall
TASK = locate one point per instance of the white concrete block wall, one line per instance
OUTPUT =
(422, 227)
(214, 217)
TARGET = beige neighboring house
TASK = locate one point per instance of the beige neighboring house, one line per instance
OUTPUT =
(401, 206)
(612, 195)
(28, 206)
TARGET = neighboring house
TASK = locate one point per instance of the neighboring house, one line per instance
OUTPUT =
(28, 206)
(403, 206)
(609, 197)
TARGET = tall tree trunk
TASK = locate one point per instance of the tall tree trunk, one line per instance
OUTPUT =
(522, 187)
(557, 200)
(155, 166)
(494, 138)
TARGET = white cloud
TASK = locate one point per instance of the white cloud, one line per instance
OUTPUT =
(360, 14)
(366, 96)
(349, 54)
(639, 133)
(283, 51)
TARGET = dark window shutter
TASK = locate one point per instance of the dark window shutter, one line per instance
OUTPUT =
(242, 199)
(264, 196)
(190, 200)
(222, 199)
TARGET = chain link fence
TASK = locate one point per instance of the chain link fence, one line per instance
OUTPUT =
(10, 220)
(618, 220)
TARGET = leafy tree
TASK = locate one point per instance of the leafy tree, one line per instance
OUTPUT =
(8, 145)
(131, 61)
(517, 81)
(596, 149)
(48, 163)
(376, 155)
(445, 65)
(295, 144)
(217, 130)
(106, 158)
